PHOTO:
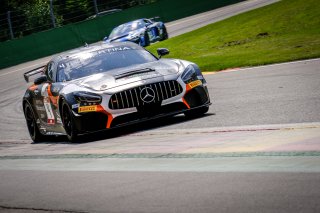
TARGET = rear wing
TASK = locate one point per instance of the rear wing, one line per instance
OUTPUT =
(155, 18)
(35, 71)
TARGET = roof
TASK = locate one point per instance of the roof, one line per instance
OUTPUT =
(92, 48)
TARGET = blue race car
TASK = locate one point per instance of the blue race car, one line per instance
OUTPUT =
(141, 31)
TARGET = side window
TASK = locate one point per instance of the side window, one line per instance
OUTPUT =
(50, 71)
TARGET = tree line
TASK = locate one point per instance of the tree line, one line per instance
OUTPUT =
(29, 16)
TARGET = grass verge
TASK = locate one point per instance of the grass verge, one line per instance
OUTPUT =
(285, 31)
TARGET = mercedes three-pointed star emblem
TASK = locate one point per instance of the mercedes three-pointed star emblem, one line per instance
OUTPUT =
(147, 95)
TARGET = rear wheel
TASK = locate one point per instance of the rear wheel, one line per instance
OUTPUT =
(193, 113)
(68, 122)
(34, 132)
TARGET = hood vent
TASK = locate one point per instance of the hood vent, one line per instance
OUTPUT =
(134, 72)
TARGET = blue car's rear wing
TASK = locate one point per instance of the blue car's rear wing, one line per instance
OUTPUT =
(33, 72)
(154, 18)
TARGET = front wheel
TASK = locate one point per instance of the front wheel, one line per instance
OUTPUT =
(146, 39)
(193, 113)
(34, 132)
(68, 122)
(164, 34)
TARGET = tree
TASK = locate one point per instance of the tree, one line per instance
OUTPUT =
(37, 15)
(74, 10)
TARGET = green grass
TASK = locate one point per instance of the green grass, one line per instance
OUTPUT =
(285, 31)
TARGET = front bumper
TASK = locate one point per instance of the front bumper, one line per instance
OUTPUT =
(127, 112)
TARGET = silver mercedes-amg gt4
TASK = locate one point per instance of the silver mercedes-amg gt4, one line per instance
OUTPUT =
(104, 86)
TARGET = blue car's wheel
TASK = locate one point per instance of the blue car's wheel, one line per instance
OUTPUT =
(164, 35)
(146, 40)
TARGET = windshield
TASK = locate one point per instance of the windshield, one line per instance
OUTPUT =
(126, 28)
(89, 63)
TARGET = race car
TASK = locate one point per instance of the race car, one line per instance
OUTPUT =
(141, 31)
(101, 87)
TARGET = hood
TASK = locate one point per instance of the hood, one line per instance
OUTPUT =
(127, 35)
(118, 37)
(119, 77)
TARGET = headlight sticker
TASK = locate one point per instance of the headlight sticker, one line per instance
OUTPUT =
(195, 83)
(87, 109)
(75, 106)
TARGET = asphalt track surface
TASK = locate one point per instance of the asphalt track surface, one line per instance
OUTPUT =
(257, 150)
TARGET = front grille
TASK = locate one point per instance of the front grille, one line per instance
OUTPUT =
(132, 98)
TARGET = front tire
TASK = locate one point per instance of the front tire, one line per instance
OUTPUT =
(68, 122)
(164, 34)
(194, 113)
(146, 39)
(34, 132)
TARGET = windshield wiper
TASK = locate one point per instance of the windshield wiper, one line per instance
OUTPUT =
(144, 70)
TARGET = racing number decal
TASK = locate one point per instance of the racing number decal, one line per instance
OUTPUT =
(47, 106)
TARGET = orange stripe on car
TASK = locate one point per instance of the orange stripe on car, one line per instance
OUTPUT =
(33, 87)
(53, 99)
(185, 103)
(110, 117)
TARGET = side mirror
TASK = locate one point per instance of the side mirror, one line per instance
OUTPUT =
(162, 51)
(40, 80)
(105, 38)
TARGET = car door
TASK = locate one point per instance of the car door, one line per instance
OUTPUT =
(46, 102)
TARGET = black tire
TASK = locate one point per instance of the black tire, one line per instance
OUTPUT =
(194, 113)
(146, 39)
(164, 34)
(68, 122)
(34, 132)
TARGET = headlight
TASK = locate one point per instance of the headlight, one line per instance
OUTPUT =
(191, 73)
(86, 98)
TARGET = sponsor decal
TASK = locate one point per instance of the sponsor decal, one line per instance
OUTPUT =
(39, 102)
(59, 121)
(194, 84)
(87, 109)
(114, 49)
(74, 106)
(40, 108)
(47, 106)
(50, 121)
